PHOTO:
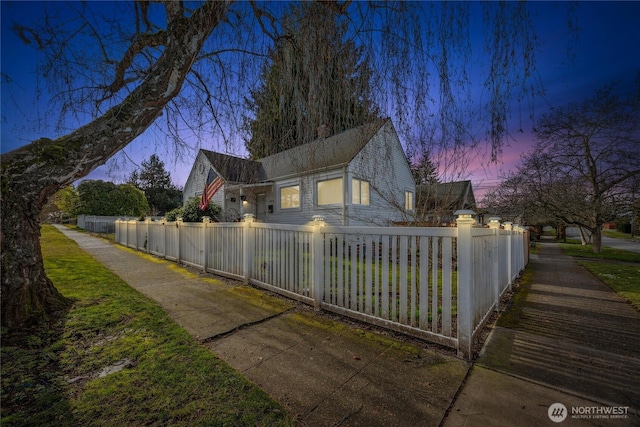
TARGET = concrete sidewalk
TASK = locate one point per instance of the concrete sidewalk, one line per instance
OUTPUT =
(326, 372)
(572, 340)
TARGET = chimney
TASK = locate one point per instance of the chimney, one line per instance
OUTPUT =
(323, 131)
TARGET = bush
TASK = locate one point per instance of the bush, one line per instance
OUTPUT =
(191, 211)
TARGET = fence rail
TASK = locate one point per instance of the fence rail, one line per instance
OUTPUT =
(440, 284)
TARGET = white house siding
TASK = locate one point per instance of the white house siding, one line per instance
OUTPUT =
(195, 181)
(383, 163)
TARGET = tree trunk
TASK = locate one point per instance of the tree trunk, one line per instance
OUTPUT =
(597, 239)
(28, 296)
(33, 173)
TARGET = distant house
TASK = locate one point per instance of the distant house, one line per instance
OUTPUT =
(436, 202)
(358, 177)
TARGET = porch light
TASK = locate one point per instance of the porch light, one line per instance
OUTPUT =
(318, 220)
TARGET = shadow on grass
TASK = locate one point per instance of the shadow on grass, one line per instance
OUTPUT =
(33, 385)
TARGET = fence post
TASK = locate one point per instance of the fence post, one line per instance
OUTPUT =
(205, 252)
(465, 222)
(147, 243)
(164, 236)
(248, 242)
(508, 226)
(317, 260)
(178, 224)
(494, 224)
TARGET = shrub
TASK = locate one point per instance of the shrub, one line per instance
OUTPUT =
(191, 211)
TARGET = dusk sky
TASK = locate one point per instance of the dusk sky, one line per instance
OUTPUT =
(607, 50)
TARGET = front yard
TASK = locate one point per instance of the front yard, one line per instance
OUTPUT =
(60, 376)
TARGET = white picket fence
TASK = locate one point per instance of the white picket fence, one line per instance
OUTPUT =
(439, 284)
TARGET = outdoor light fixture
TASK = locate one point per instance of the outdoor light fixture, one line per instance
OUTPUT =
(318, 219)
(243, 197)
(464, 213)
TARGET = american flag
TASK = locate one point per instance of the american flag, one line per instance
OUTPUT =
(211, 187)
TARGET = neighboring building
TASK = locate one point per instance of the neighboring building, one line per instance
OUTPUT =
(358, 177)
(437, 202)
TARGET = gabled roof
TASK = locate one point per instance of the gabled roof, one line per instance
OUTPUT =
(235, 169)
(321, 154)
(446, 195)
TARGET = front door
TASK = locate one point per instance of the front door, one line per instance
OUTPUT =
(261, 207)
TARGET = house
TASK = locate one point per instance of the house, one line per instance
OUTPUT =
(436, 202)
(358, 177)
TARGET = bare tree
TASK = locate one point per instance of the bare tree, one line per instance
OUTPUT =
(586, 157)
(115, 68)
(33, 173)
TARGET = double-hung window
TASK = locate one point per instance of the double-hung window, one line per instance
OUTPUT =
(408, 200)
(360, 194)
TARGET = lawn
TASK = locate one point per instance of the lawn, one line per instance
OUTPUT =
(52, 376)
(617, 268)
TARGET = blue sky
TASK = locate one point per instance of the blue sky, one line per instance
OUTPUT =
(608, 49)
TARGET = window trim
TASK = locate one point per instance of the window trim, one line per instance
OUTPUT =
(317, 198)
(359, 182)
(411, 199)
(293, 208)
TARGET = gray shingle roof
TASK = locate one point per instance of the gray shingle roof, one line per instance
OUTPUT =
(235, 169)
(446, 195)
(321, 154)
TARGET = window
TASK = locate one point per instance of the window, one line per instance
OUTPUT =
(330, 192)
(290, 197)
(359, 192)
(408, 200)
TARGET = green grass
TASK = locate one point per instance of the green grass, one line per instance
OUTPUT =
(172, 379)
(619, 269)
(622, 278)
(575, 249)
(616, 234)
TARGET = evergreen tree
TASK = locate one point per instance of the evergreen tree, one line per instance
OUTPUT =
(156, 184)
(423, 169)
(315, 82)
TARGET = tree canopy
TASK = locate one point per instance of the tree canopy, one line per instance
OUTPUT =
(315, 84)
(155, 182)
(106, 198)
